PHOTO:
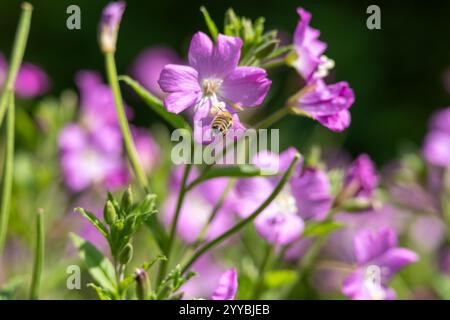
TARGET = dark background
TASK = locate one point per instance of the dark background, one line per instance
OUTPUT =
(396, 72)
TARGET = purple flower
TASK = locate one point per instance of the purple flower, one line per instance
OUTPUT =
(213, 82)
(196, 213)
(148, 66)
(305, 196)
(436, 148)
(228, 286)
(361, 179)
(205, 282)
(96, 101)
(310, 61)
(312, 191)
(327, 104)
(91, 158)
(109, 25)
(31, 80)
(378, 259)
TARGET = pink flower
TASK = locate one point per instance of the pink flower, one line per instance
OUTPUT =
(148, 66)
(213, 82)
(361, 179)
(309, 48)
(31, 80)
(327, 104)
(228, 285)
(378, 259)
(436, 147)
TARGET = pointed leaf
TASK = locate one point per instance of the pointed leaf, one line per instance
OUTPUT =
(94, 221)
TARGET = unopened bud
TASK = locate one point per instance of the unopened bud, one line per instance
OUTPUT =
(126, 254)
(109, 25)
(142, 284)
(127, 199)
(109, 213)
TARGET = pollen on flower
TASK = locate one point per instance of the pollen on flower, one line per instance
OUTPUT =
(211, 86)
(216, 108)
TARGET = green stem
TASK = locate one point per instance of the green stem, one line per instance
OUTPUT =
(273, 118)
(20, 43)
(213, 243)
(38, 256)
(111, 71)
(8, 167)
(262, 272)
(173, 227)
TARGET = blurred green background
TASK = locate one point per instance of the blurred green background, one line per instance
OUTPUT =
(396, 72)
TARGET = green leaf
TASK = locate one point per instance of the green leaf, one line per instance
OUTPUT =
(242, 171)
(158, 231)
(321, 228)
(102, 293)
(146, 266)
(99, 267)
(442, 286)
(10, 288)
(278, 278)
(94, 221)
(156, 105)
(209, 23)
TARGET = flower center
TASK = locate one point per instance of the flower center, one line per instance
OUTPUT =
(326, 64)
(285, 202)
(210, 86)
(372, 282)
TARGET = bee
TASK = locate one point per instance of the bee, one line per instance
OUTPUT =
(222, 121)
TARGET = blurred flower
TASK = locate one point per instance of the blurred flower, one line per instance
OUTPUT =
(31, 80)
(428, 232)
(327, 104)
(361, 179)
(305, 196)
(444, 260)
(378, 259)
(109, 25)
(148, 66)
(195, 214)
(147, 149)
(310, 60)
(228, 285)
(213, 82)
(96, 101)
(91, 158)
(203, 285)
(436, 148)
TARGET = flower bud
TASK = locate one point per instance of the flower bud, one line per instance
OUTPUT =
(127, 199)
(109, 25)
(126, 254)
(142, 284)
(109, 213)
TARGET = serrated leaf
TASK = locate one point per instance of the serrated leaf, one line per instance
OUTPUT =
(99, 266)
(209, 23)
(242, 171)
(278, 278)
(321, 228)
(156, 105)
(94, 221)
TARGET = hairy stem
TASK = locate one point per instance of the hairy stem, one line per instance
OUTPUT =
(8, 167)
(111, 71)
(20, 43)
(38, 256)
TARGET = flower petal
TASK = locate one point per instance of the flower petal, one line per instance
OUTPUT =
(279, 228)
(436, 148)
(228, 285)
(246, 86)
(395, 259)
(369, 244)
(338, 122)
(177, 102)
(176, 77)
